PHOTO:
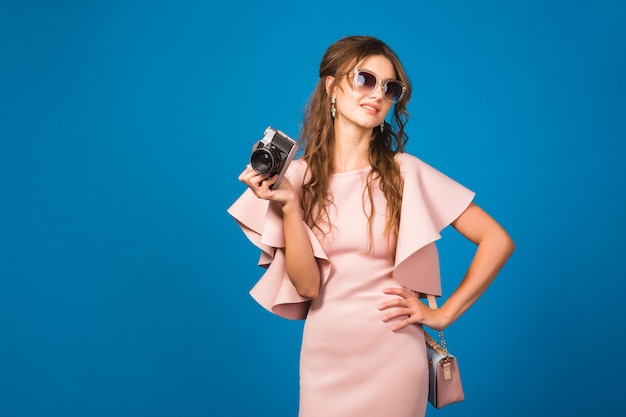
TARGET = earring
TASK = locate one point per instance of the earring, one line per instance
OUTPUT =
(382, 126)
(333, 110)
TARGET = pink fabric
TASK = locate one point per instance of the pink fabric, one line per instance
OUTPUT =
(352, 364)
(262, 224)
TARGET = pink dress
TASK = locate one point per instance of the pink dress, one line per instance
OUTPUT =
(352, 364)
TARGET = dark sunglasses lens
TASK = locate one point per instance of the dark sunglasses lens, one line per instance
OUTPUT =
(365, 81)
(393, 91)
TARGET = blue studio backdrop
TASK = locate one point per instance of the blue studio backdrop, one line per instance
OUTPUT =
(124, 125)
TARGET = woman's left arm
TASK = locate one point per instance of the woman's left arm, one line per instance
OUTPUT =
(495, 246)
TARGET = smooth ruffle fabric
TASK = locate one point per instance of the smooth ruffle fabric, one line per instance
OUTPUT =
(431, 201)
(262, 223)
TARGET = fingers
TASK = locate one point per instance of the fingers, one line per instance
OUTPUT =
(391, 303)
(403, 310)
(410, 317)
(401, 325)
(398, 291)
(406, 295)
(244, 173)
(406, 306)
(258, 183)
(249, 176)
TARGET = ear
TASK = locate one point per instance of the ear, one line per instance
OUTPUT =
(330, 85)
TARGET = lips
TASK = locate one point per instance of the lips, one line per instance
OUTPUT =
(371, 107)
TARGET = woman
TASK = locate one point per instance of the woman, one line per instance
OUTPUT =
(348, 239)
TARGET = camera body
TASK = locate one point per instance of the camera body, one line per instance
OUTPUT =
(273, 154)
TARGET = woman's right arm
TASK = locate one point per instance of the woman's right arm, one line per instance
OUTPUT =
(301, 265)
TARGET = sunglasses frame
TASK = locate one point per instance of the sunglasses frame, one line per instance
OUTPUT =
(382, 83)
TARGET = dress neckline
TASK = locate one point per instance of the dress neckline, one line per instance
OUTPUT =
(351, 173)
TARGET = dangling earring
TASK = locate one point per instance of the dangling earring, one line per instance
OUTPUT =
(382, 126)
(333, 110)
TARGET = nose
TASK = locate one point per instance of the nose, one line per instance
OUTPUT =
(377, 91)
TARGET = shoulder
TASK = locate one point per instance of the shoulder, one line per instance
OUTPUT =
(298, 164)
(410, 163)
(297, 167)
(411, 167)
(403, 158)
(296, 171)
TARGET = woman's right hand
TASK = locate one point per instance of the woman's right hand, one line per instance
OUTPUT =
(260, 186)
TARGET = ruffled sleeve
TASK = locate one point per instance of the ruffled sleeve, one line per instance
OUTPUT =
(262, 223)
(430, 202)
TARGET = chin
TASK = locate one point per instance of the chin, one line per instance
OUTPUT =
(371, 125)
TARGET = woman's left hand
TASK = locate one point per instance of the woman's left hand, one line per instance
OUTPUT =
(408, 304)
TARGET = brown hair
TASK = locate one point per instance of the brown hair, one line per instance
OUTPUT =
(317, 138)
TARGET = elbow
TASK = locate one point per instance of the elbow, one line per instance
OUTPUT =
(309, 289)
(306, 282)
(511, 247)
(508, 246)
(500, 244)
(308, 293)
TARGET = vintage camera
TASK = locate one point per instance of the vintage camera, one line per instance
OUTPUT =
(273, 154)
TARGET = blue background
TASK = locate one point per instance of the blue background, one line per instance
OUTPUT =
(123, 127)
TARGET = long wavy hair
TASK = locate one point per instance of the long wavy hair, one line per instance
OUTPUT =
(317, 139)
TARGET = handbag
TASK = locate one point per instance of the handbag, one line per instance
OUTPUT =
(444, 378)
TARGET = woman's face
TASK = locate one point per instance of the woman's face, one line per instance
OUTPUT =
(364, 110)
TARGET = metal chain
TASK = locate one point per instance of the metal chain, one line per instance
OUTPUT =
(443, 343)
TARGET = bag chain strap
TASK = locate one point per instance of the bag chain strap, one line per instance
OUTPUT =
(432, 303)
(443, 343)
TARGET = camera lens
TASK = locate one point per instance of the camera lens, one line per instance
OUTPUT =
(264, 160)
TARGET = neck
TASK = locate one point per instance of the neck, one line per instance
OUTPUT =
(351, 149)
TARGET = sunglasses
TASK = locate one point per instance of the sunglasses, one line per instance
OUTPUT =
(366, 81)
